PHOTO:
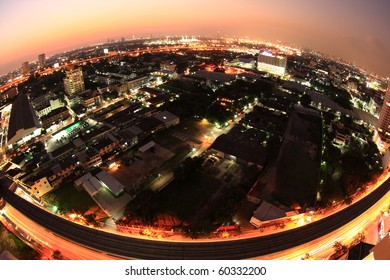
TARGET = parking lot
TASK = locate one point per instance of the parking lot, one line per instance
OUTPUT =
(68, 134)
(225, 170)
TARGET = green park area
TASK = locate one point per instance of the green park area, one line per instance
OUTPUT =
(69, 199)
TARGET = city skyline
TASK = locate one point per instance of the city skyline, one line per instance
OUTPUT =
(192, 131)
(194, 142)
(351, 30)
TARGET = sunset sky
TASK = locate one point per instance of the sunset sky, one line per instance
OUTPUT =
(355, 30)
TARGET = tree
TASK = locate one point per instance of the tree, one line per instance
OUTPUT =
(57, 255)
(188, 170)
(305, 100)
(307, 257)
(91, 219)
(219, 70)
(339, 248)
(181, 67)
(111, 95)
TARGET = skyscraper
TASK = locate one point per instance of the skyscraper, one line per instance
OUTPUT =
(74, 81)
(383, 125)
(25, 69)
(42, 60)
(272, 64)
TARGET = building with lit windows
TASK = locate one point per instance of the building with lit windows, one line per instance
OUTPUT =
(25, 69)
(136, 83)
(42, 60)
(74, 81)
(273, 64)
(383, 125)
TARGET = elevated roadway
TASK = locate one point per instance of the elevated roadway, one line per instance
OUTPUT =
(136, 248)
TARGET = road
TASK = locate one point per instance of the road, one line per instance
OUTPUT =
(50, 70)
(136, 248)
(322, 248)
(49, 242)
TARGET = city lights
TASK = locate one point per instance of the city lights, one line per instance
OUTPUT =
(209, 146)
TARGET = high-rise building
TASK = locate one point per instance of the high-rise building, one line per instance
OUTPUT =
(74, 81)
(273, 64)
(42, 60)
(25, 69)
(383, 124)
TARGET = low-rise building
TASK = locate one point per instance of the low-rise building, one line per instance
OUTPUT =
(167, 118)
(11, 93)
(114, 186)
(120, 88)
(149, 126)
(244, 62)
(97, 133)
(91, 99)
(55, 116)
(23, 122)
(46, 103)
(136, 83)
(166, 73)
(266, 212)
(128, 137)
(41, 187)
(106, 191)
(73, 100)
(89, 158)
(342, 133)
(106, 145)
(167, 65)
(66, 167)
(157, 101)
(214, 76)
(66, 150)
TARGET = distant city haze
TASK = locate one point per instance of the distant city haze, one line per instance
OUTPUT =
(354, 30)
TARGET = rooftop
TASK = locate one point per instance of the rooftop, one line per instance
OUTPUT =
(110, 182)
(54, 113)
(153, 91)
(267, 211)
(214, 76)
(166, 116)
(63, 149)
(149, 124)
(127, 134)
(22, 117)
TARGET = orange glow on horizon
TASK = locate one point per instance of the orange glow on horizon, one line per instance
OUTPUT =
(50, 27)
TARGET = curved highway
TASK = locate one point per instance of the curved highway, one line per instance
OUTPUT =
(134, 248)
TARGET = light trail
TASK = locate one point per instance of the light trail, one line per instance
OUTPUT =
(51, 242)
(322, 248)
